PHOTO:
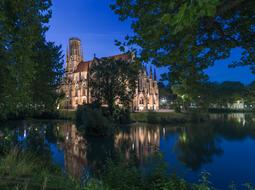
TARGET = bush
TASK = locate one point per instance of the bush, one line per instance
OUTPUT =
(125, 175)
(91, 121)
(23, 171)
(121, 115)
(94, 184)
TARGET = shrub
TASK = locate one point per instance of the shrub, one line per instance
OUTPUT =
(94, 184)
(92, 122)
(23, 171)
(152, 117)
(125, 175)
(121, 115)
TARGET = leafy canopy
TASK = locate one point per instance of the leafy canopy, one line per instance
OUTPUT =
(190, 35)
(30, 67)
(113, 81)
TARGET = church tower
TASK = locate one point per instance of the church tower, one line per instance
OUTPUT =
(74, 54)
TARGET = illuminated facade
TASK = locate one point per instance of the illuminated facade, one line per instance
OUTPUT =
(76, 84)
(75, 150)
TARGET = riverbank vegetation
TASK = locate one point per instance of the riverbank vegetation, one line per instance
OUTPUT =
(92, 120)
(23, 171)
(211, 97)
(167, 117)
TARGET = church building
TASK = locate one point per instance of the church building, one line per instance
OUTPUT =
(76, 81)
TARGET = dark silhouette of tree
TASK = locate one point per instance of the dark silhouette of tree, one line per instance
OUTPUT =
(30, 66)
(113, 81)
(189, 36)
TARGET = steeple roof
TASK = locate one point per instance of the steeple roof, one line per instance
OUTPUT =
(84, 65)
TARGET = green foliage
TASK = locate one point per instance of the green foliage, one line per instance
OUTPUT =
(67, 114)
(17, 164)
(91, 121)
(94, 184)
(167, 117)
(30, 66)
(124, 175)
(208, 95)
(189, 36)
(23, 171)
(121, 115)
(113, 80)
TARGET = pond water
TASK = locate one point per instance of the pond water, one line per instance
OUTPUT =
(224, 146)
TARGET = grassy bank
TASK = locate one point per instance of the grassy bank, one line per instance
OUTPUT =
(150, 117)
(167, 117)
(67, 114)
(226, 110)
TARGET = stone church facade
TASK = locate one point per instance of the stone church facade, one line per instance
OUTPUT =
(78, 91)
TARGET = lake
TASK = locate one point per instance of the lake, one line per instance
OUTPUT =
(224, 146)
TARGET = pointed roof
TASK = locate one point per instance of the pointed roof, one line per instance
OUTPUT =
(124, 56)
(84, 65)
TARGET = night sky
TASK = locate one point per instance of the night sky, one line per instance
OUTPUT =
(97, 26)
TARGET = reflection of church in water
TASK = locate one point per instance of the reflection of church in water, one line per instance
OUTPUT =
(74, 147)
(140, 140)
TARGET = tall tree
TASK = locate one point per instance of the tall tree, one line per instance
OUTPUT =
(178, 33)
(113, 80)
(48, 75)
(23, 24)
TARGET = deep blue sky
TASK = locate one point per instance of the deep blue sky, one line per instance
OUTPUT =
(97, 26)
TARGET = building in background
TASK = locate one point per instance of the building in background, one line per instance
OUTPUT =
(76, 81)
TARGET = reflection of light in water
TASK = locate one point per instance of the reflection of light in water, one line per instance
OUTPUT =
(141, 137)
(238, 117)
(164, 131)
(142, 140)
(74, 148)
(25, 133)
(183, 137)
(67, 136)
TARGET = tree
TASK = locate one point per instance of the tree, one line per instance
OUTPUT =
(184, 33)
(113, 80)
(250, 95)
(25, 56)
(48, 75)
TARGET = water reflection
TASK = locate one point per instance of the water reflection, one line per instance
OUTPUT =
(192, 146)
(144, 141)
(197, 145)
(237, 117)
(74, 147)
